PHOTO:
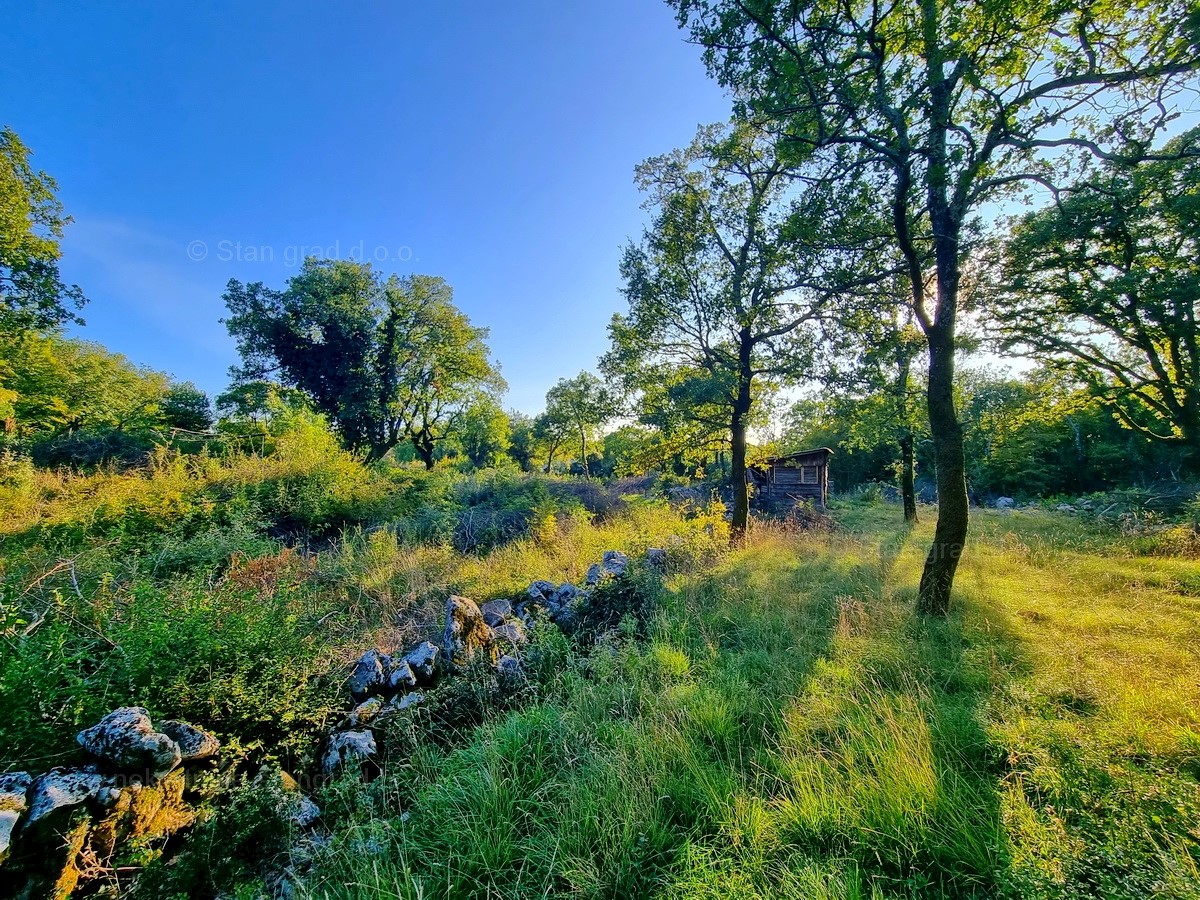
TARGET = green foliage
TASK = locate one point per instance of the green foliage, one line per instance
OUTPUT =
(483, 432)
(579, 406)
(186, 406)
(32, 294)
(790, 729)
(384, 360)
(1105, 286)
(227, 852)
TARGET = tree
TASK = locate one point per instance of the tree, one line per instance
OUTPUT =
(550, 429)
(522, 442)
(950, 105)
(1105, 284)
(383, 360)
(483, 432)
(32, 293)
(724, 284)
(185, 406)
(878, 383)
(444, 368)
(56, 385)
(581, 405)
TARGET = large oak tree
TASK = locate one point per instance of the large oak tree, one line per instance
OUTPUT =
(951, 104)
(384, 360)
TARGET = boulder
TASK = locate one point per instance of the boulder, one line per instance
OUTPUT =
(347, 748)
(1065, 508)
(423, 661)
(301, 811)
(368, 675)
(510, 632)
(14, 790)
(1005, 503)
(656, 559)
(540, 590)
(194, 743)
(61, 789)
(126, 740)
(495, 612)
(298, 808)
(140, 812)
(614, 565)
(365, 712)
(466, 634)
(566, 594)
(509, 672)
(400, 676)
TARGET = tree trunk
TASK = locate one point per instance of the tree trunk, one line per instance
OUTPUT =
(908, 491)
(424, 448)
(950, 535)
(741, 410)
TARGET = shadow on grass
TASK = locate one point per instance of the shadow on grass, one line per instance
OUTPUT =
(872, 751)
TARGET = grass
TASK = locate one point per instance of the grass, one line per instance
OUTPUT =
(791, 729)
(783, 726)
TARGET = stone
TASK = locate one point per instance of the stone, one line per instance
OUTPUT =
(423, 661)
(615, 563)
(126, 740)
(408, 700)
(368, 675)
(61, 789)
(540, 591)
(1065, 508)
(510, 632)
(1005, 503)
(143, 812)
(14, 790)
(299, 809)
(566, 594)
(466, 634)
(8, 823)
(400, 676)
(502, 608)
(302, 812)
(656, 559)
(194, 743)
(347, 748)
(495, 612)
(365, 712)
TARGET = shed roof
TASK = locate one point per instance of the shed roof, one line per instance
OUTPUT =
(796, 457)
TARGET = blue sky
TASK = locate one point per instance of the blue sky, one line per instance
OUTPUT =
(492, 144)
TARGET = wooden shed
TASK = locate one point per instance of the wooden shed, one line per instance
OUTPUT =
(797, 476)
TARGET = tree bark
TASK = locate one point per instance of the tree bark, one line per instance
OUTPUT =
(950, 535)
(741, 410)
(908, 491)
(424, 448)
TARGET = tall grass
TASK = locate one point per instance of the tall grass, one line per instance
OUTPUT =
(791, 729)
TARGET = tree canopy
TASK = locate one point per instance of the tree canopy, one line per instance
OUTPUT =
(1105, 284)
(32, 293)
(384, 359)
